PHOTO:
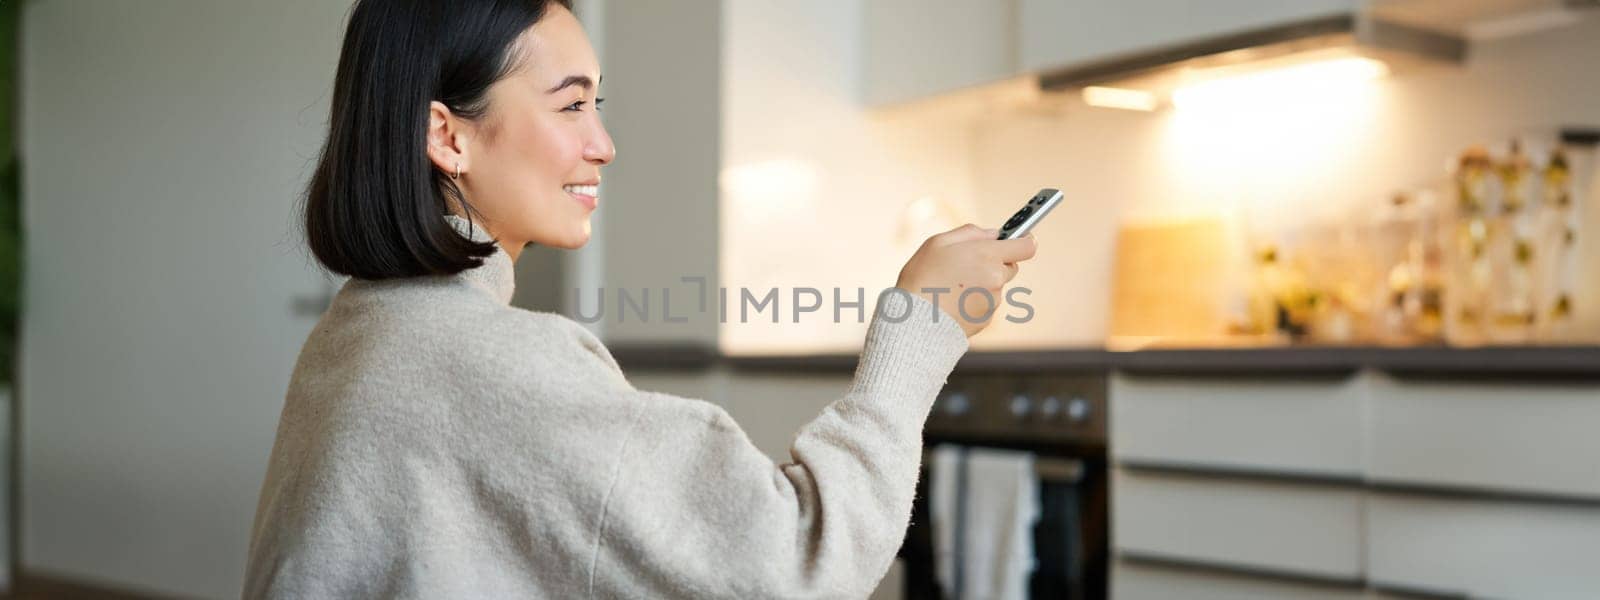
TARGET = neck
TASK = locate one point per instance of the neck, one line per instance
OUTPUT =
(513, 250)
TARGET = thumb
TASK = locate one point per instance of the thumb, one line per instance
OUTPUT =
(1016, 250)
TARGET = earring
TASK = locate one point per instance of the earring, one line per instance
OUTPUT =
(457, 174)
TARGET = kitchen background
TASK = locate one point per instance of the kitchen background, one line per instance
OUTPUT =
(793, 144)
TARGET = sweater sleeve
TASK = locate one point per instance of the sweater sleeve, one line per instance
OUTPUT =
(697, 511)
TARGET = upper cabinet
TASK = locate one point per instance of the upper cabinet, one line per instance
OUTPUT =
(1055, 34)
(919, 48)
(914, 49)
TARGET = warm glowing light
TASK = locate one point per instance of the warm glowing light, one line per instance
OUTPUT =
(769, 191)
(1319, 81)
(1123, 98)
(922, 208)
(1284, 142)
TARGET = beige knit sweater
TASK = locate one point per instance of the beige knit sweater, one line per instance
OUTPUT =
(436, 442)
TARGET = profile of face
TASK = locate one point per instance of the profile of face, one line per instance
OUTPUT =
(531, 165)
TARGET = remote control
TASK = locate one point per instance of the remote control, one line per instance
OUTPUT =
(1030, 214)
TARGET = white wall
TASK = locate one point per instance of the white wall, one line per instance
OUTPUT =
(164, 145)
(813, 187)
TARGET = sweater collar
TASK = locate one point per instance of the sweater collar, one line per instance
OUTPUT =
(498, 273)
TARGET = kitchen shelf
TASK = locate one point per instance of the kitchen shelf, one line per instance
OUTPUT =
(1502, 362)
(1498, 362)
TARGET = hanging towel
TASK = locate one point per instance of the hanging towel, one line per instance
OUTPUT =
(983, 504)
(944, 493)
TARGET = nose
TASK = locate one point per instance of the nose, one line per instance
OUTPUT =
(599, 150)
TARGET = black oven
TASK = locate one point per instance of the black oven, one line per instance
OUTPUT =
(1061, 419)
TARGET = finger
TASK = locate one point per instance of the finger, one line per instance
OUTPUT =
(964, 233)
(1011, 271)
(1016, 250)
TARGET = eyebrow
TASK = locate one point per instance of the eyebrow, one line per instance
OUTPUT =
(578, 80)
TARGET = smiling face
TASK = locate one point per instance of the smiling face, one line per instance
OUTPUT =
(531, 165)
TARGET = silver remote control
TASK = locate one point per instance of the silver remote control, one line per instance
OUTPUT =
(1030, 214)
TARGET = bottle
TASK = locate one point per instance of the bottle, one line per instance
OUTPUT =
(1512, 251)
(1580, 148)
(1396, 288)
(1466, 303)
(1409, 301)
(1427, 256)
(1557, 242)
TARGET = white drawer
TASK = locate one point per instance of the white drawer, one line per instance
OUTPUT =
(1309, 427)
(1530, 438)
(1135, 581)
(1296, 528)
(1484, 548)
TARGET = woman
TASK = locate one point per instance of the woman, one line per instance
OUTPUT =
(438, 443)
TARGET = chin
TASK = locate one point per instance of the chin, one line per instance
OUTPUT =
(573, 245)
(577, 241)
(571, 239)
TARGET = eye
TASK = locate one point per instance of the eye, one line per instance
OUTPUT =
(578, 106)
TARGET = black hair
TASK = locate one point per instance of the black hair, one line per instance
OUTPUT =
(375, 206)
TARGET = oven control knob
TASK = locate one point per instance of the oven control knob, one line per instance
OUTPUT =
(956, 404)
(1078, 410)
(1050, 408)
(1020, 404)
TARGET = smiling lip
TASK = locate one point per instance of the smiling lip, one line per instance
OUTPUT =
(587, 200)
(585, 192)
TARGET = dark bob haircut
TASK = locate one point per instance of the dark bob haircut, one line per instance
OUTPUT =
(375, 206)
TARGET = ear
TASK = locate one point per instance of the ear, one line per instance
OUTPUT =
(447, 140)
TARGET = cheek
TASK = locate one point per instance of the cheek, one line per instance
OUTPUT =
(553, 151)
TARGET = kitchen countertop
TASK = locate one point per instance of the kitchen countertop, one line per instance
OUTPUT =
(1497, 362)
